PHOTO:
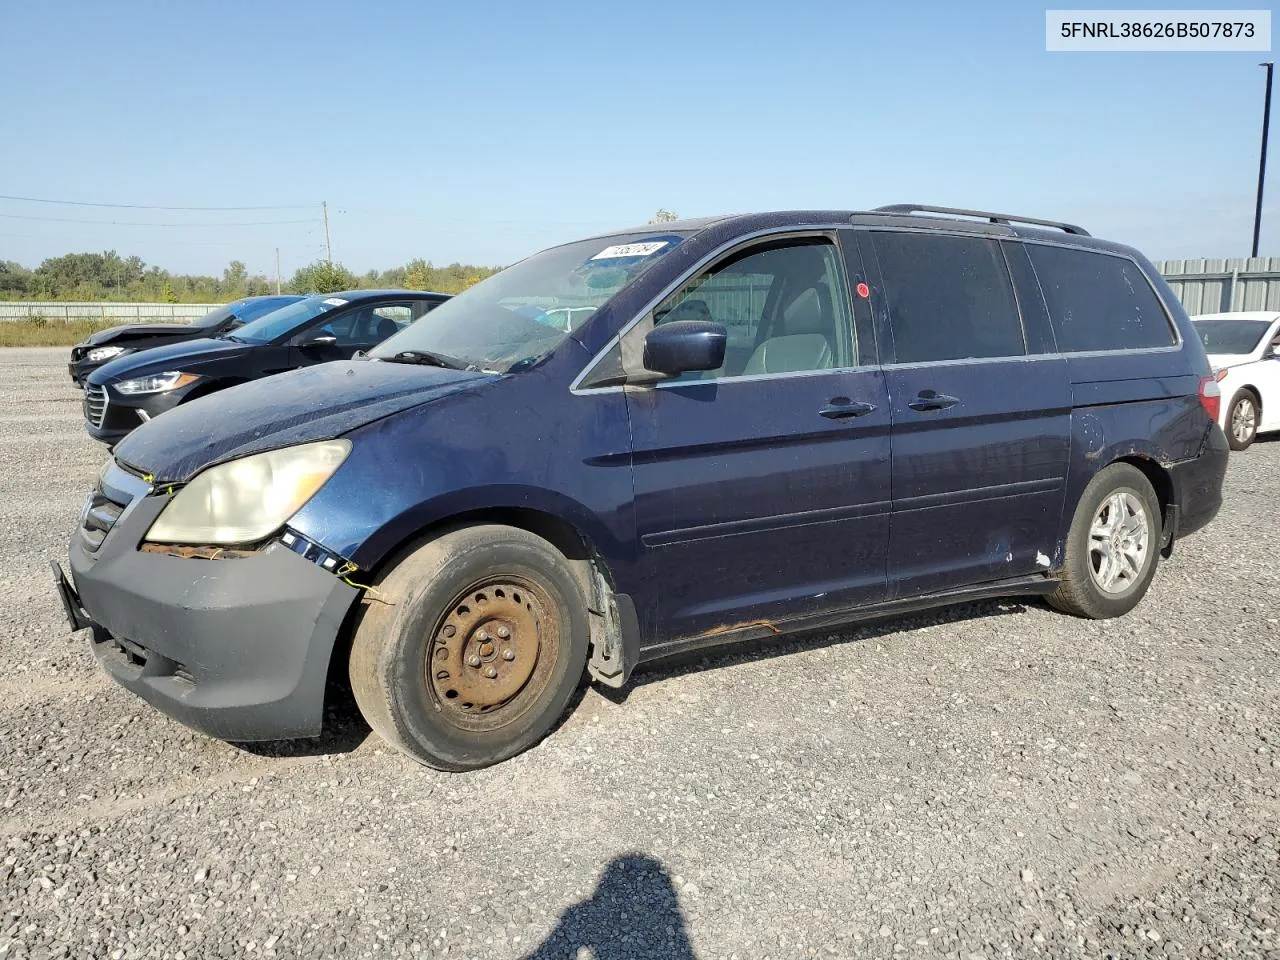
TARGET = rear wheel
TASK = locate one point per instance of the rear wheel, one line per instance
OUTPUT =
(1242, 420)
(1113, 545)
(480, 653)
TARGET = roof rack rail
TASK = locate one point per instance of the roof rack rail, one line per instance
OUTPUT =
(1004, 218)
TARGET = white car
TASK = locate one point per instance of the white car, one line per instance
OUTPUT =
(1244, 349)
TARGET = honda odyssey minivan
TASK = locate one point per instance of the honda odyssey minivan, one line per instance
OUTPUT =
(752, 425)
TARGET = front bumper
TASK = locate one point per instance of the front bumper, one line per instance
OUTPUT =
(236, 648)
(80, 368)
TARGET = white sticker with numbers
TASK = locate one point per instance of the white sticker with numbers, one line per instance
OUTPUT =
(630, 250)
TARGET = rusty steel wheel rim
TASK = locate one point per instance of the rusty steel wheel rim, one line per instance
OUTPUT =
(492, 652)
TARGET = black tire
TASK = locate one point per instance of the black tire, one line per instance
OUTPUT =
(1248, 408)
(430, 669)
(1079, 591)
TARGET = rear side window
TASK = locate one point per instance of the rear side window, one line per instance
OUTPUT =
(950, 298)
(1098, 301)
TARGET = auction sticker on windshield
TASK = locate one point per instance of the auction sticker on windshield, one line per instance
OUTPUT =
(631, 250)
(336, 302)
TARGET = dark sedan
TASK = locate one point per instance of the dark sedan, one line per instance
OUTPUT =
(131, 390)
(105, 345)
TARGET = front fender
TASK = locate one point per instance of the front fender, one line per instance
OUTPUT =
(522, 442)
(389, 530)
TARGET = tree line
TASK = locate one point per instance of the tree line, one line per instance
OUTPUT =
(109, 276)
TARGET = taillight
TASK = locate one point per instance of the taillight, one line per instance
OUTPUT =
(1210, 397)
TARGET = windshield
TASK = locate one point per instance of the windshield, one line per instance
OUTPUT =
(214, 317)
(1231, 335)
(527, 310)
(277, 323)
(243, 310)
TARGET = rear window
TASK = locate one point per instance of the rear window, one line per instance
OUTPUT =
(1098, 301)
(1231, 335)
(950, 298)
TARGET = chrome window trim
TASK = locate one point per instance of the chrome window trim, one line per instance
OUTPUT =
(745, 378)
(798, 229)
(1128, 351)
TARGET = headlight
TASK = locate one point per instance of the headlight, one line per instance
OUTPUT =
(98, 354)
(157, 382)
(245, 500)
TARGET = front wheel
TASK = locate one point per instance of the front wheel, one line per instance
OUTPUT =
(1242, 420)
(478, 651)
(1112, 547)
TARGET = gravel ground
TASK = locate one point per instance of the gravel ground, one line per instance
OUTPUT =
(993, 780)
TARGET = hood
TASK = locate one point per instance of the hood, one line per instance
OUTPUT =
(138, 331)
(301, 406)
(187, 355)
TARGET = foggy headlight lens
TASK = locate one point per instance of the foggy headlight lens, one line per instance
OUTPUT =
(245, 500)
(98, 354)
(157, 383)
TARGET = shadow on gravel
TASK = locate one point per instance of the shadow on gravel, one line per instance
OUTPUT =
(632, 913)
(750, 651)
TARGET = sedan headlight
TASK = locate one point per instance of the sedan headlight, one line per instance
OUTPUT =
(99, 354)
(245, 500)
(157, 382)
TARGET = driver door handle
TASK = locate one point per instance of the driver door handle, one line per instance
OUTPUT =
(842, 408)
(929, 400)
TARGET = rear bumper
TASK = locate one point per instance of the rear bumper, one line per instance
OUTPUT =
(1197, 483)
(237, 648)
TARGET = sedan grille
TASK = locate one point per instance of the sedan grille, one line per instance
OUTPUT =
(95, 404)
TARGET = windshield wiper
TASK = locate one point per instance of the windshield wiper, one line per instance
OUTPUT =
(525, 363)
(228, 336)
(430, 359)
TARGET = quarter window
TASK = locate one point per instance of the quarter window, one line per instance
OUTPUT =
(950, 298)
(1098, 301)
(785, 308)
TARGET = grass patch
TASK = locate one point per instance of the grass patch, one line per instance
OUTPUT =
(43, 332)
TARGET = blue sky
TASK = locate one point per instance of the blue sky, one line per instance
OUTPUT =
(482, 131)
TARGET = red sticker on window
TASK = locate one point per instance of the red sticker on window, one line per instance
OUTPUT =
(864, 291)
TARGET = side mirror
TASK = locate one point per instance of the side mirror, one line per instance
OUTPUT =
(325, 340)
(685, 345)
(1273, 351)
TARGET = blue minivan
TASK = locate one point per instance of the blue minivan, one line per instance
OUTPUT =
(646, 443)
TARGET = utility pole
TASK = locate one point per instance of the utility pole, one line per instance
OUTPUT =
(1262, 160)
(277, 270)
(324, 205)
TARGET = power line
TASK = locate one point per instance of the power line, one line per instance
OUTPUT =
(310, 249)
(132, 223)
(144, 206)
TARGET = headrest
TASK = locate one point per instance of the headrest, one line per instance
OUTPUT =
(805, 314)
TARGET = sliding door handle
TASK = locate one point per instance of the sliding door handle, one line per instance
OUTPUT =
(842, 408)
(929, 400)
